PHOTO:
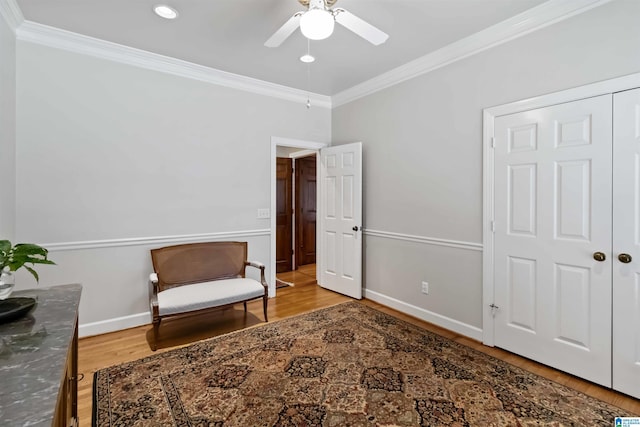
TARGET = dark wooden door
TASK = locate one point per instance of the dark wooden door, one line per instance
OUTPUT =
(306, 210)
(284, 198)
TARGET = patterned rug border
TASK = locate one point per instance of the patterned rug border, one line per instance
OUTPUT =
(371, 310)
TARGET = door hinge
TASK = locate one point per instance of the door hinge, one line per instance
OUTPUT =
(493, 142)
(494, 309)
(493, 226)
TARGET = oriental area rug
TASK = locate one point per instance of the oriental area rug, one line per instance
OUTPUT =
(347, 365)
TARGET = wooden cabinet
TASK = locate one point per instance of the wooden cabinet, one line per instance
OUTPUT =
(40, 360)
(66, 413)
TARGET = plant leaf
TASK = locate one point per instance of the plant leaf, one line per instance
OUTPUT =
(29, 249)
(16, 262)
(33, 272)
(17, 256)
(41, 261)
(5, 246)
(5, 249)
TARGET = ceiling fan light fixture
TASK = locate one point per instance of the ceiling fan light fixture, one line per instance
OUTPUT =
(317, 24)
(164, 11)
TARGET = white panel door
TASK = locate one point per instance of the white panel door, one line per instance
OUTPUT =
(341, 219)
(626, 241)
(552, 213)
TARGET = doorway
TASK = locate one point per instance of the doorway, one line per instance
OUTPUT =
(281, 255)
(339, 208)
(296, 189)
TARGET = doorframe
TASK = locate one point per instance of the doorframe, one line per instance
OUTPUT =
(303, 145)
(605, 87)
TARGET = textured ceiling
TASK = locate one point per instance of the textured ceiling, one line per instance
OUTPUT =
(229, 35)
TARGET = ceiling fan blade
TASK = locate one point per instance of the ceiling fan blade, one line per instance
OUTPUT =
(360, 27)
(285, 31)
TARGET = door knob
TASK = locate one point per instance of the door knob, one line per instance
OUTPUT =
(625, 258)
(355, 228)
(599, 256)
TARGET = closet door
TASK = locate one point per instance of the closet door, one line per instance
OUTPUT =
(552, 214)
(626, 243)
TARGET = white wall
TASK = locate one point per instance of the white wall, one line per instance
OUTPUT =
(7, 131)
(423, 155)
(109, 151)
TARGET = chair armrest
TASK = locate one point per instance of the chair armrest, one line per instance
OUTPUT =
(255, 264)
(259, 265)
(153, 294)
(153, 281)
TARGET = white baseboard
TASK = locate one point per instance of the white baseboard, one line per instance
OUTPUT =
(139, 319)
(112, 325)
(426, 315)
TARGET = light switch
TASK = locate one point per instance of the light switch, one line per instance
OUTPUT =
(263, 214)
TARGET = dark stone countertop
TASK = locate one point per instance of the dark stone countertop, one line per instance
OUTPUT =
(33, 355)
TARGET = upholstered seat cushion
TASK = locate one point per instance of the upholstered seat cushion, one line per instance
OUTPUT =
(203, 295)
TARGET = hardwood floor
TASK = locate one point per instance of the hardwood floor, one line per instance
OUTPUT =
(101, 351)
(304, 275)
(110, 349)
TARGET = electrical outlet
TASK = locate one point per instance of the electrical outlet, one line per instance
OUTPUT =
(263, 214)
(425, 287)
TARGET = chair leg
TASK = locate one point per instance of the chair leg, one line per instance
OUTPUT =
(156, 328)
(264, 306)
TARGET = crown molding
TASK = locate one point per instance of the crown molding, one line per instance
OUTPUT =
(11, 13)
(546, 14)
(536, 18)
(45, 35)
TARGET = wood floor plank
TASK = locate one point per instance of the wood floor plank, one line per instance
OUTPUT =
(101, 351)
(304, 275)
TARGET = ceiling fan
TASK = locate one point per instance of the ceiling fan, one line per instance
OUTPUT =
(317, 22)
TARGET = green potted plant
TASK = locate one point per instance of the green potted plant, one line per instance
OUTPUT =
(15, 257)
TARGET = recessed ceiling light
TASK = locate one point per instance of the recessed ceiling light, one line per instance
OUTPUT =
(307, 58)
(165, 11)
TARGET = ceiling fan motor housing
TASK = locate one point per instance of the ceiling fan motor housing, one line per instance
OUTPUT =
(318, 21)
(324, 4)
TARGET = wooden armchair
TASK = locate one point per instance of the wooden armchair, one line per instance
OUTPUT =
(195, 277)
